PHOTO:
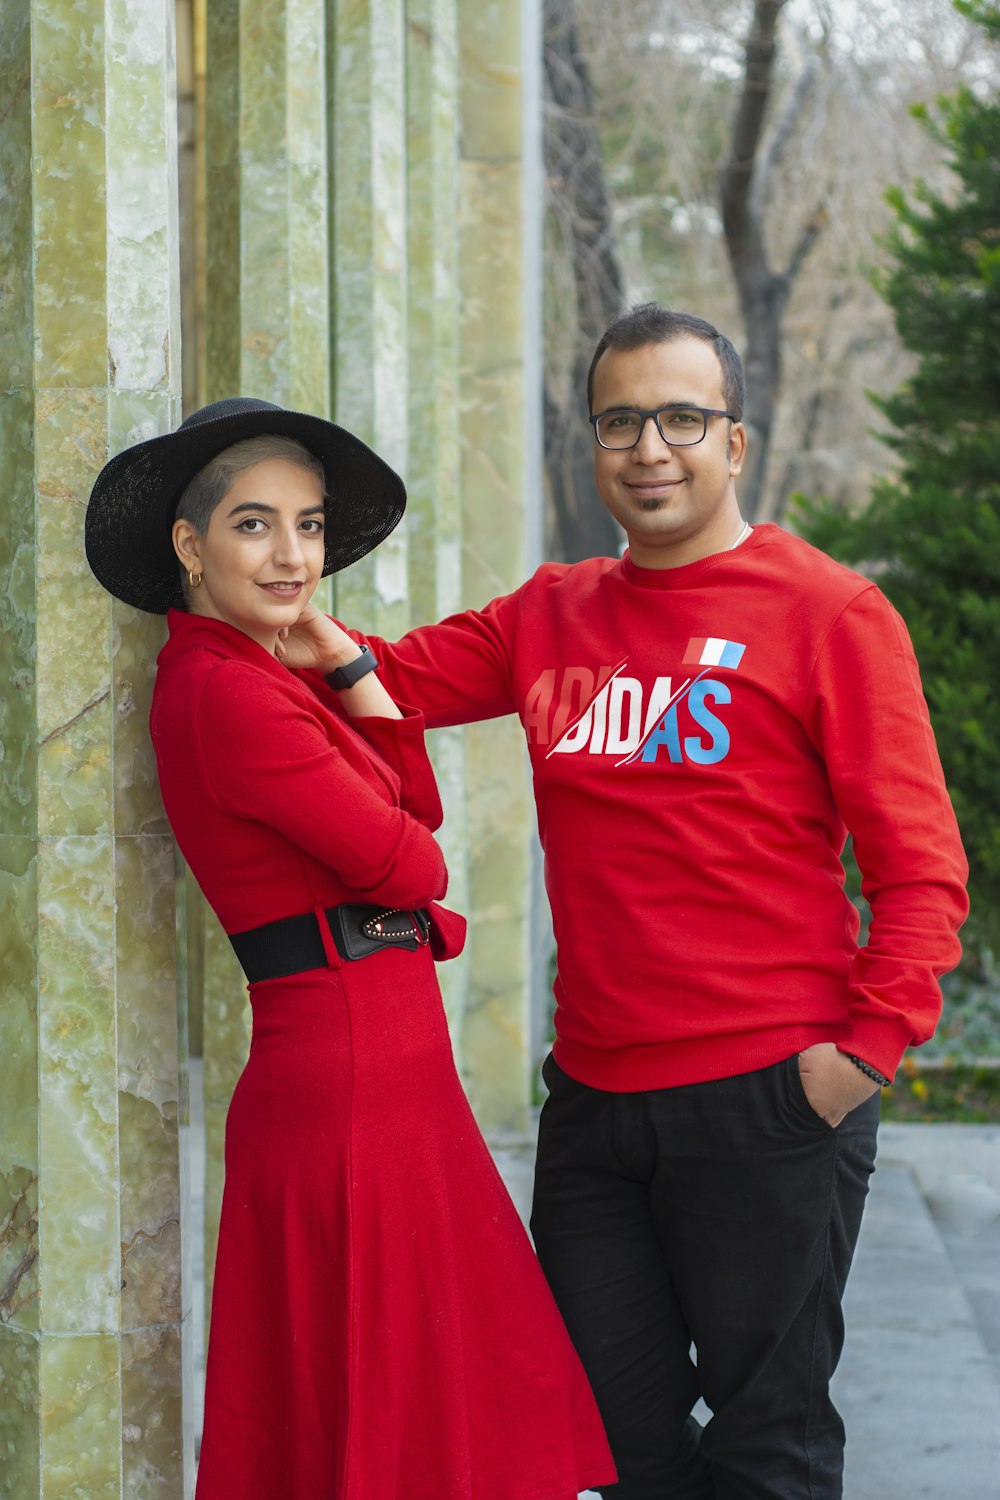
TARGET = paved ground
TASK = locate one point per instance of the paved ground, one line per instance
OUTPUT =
(919, 1383)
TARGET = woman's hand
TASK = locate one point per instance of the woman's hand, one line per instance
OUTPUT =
(318, 642)
(315, 641)
(832, 1084)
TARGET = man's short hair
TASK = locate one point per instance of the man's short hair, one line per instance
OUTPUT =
(649, 323)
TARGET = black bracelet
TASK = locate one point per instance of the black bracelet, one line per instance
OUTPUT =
(869, 1071)
(353, 671)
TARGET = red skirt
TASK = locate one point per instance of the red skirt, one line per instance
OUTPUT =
(380, 1325)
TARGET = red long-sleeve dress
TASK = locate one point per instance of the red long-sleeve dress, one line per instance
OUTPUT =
(380, 1327)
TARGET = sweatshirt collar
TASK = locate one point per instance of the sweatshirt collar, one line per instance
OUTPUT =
(692, 573)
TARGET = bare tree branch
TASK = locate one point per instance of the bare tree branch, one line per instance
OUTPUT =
(744, 233)
(744, 183)
(809, 234)
(783, 133)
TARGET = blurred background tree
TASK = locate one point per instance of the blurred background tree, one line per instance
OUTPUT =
(931, 533)
(654, 109)
(870, 230)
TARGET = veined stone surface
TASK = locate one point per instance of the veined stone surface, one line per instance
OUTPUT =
(368, 162)
(496, 1032)
(434, 505)
(92, 1060)
(266, 237)
(360, 242)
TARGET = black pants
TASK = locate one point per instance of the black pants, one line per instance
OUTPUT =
(722, 1215)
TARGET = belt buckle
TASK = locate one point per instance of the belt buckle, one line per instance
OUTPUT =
(373, 928)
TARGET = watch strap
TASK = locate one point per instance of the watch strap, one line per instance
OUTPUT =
(352, 671)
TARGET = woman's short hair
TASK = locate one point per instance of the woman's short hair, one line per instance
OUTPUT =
(212, 483)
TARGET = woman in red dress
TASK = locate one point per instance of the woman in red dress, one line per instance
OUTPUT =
(380, 1327)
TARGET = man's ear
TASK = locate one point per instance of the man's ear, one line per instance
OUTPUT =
(186, 542)
(737, 448)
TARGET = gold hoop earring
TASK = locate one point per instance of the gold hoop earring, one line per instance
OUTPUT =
(194, 579)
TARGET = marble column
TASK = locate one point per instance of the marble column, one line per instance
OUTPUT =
(263, 249)
(361, 236)
(434, 504)
(367, 74)
(91, 1303)
(264, 231)
(500, 500)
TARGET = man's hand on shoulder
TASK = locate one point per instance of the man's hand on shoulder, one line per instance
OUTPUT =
(832, 1083)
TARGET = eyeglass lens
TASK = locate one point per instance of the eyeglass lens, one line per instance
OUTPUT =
(679, 426)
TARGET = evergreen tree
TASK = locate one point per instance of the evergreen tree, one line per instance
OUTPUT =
(931, 534)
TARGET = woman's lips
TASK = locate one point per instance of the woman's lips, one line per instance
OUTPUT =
(282, 590)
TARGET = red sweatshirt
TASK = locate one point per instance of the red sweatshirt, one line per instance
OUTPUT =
(279, 802)
(701, 739)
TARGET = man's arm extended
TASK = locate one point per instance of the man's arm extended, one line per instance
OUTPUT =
(456, 672)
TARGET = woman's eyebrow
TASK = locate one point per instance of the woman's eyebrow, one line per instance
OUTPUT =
(271, 510)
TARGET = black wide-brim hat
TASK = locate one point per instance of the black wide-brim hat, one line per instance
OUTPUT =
(133, 504)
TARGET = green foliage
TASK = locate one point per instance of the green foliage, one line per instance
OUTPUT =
(931, 534)
(963, 1094)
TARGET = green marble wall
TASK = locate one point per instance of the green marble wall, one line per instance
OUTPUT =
(362, 255)
(265, 238)
(497, 548)
(372, 202)
(427, 204)
(91, 1297)
(434, 509)
(359, 230)
(368, 200)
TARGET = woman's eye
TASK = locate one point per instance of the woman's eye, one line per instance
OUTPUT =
(252, 525)
(314, 527)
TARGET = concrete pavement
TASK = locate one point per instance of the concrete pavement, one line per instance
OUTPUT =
(919, 1382)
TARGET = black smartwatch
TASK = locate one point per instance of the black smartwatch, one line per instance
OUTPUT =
(347, 676)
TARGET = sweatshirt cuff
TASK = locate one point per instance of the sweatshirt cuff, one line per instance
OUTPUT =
(877, 1040)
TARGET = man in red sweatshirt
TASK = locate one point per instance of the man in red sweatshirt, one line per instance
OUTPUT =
(707, 718)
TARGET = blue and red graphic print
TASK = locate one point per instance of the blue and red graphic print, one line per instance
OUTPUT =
(605, 711)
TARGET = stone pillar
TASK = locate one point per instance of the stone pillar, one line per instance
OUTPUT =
(356, 260)
(369, 280)
(90, 1290)
(265, 230)
(498, 551)
(434, 505)
(264, 249)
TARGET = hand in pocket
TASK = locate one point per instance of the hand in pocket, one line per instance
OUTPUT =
(831, 1082)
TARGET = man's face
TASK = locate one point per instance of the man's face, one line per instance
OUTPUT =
(676, 505)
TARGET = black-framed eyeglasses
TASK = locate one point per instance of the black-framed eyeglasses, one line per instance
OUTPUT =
(678, 426)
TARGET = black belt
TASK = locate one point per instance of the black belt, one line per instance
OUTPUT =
(295, 944)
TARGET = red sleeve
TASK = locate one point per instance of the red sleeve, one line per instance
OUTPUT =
(400, 742)
(457, 671)
(268, 758)
(867, 717)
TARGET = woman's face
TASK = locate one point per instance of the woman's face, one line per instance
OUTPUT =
(262, 553)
